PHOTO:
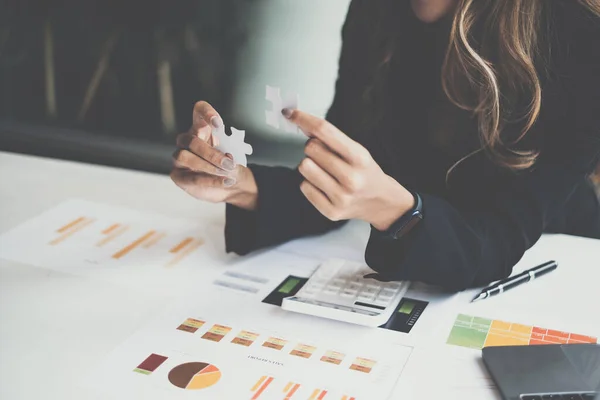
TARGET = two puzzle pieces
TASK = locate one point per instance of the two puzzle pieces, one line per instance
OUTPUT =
(234, 144)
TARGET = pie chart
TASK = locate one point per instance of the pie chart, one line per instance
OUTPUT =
(194, 375)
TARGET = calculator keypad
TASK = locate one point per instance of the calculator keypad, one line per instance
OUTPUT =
(346, 281)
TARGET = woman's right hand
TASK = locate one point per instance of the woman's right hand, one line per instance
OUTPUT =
(205, 172)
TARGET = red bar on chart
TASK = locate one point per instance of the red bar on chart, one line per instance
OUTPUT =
(259, 389)
(150, 364)
(292, 391)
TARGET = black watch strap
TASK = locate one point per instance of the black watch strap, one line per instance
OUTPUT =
(407, 222)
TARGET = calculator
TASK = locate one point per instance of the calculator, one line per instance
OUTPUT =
(338, 290)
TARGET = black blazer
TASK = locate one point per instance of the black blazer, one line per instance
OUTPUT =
(478, 224)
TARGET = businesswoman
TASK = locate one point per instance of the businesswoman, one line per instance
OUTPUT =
(461, 130)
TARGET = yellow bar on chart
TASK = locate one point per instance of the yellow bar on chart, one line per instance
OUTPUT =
(314, 394)
(113, 235)
(184, 253)
(264, 387)
(153, 240)
(71, 232)
(181, 245)
(257, 385)
(70, 225)
(123, 252)
(345, 398)
(288, 387)
(110, 229)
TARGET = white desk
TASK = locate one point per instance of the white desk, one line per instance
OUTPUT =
(54, 327)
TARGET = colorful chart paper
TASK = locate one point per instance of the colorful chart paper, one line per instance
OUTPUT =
(477, 333)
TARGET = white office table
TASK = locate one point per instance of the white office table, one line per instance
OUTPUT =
(54, 327)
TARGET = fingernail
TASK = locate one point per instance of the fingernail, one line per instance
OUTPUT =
(287, 112)
(228, 164)
(229, 182)
(216, 122)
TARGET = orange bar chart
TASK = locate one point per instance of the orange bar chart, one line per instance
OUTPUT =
(127, 249)
(153, 240)
(112, 234)
(183, 249)
(70, 225)
(260, 386)
(181, 245)
(71, 229)
(110, 229)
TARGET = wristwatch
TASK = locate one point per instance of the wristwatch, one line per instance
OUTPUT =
(407, 222)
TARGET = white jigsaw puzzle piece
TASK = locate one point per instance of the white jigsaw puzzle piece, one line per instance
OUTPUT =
(274, 117)
(233, 144)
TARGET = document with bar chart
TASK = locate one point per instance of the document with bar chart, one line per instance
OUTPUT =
(99, 240)
(212, 346)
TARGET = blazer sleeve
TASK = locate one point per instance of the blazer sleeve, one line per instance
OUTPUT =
(283, 213)
(456, 248)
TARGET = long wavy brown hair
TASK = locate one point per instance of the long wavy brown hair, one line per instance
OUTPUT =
(492, 69)
(514, 29)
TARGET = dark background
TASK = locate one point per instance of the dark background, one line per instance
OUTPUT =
(112, 82)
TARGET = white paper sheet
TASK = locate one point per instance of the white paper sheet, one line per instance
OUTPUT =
(120, 245)
(242, 365)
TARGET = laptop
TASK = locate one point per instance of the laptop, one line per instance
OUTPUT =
(545, 372)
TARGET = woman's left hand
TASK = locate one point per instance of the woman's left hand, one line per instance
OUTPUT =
(342, 180)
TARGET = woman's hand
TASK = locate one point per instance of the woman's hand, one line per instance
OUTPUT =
(205, 172)
(343, 181)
